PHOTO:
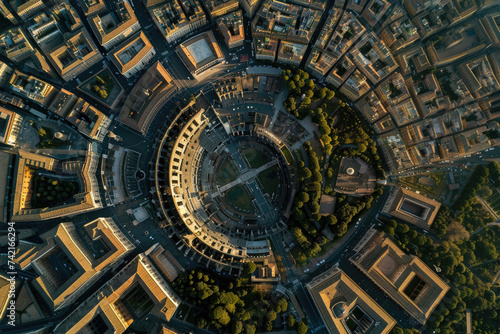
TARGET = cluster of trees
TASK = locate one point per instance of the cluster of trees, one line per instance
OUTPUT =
(49, 192)
(229, 305)
(467, 210)
(453, 261)
(103, 85)
(303, 91)
(483, 251)
(494, 169)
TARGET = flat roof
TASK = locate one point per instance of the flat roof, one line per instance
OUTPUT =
(200, 50)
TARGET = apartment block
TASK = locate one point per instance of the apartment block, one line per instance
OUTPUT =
(356, 86)
(116, 24)
(371, 107)
(218, 8)
(7, 13)
(479, 76)
(286, 22)
(176, 18)
(384, 124)
(146, 98)
(30, 87)
(16, 46)
(10, 126)
(413, 60)
(250, 6)
(50, 28)
(291, 53)
(75, 55)
(72, 259)
(232, 29)
(88, 198)
(321, 59)
(373, 58)
(341, 71)
(404, 278)
(92, 7)
(428, 95)
(399, 34)
(374, 11)
(134, 292)
(395, 151)
(266, 48)
(133, 55)
(356, 5)
(89, 120)
(404, 112)
(26, 8)
(393, 90)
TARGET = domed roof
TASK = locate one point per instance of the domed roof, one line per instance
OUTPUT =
(340, 310)
(350, 171)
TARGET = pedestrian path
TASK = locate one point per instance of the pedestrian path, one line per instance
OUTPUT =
(248, 175)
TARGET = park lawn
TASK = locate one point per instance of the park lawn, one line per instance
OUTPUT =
(288, 155)
(239, 198)
(227, 172)
(494, 200)
(102, 85)
(429, 191)
(255, 157)
(269, 180)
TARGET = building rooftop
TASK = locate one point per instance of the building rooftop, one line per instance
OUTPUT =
(231, 27)
(199, 51)
(288, 22)
(146, 98)
(405, 278)
(345, 308)
(126, 55)
(134, 292)
(71, 259)
(411, 207)
(114, 25)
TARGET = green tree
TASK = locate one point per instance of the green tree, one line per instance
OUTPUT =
(201, 322)
(268, 326)
(271, 315)
(290, 321)
(330, 94)
(249, 267)
(301, 327)
(237, 327)
(220, 315)
(249, 329)
(397, 330)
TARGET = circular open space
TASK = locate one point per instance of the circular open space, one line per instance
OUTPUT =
(228, 190)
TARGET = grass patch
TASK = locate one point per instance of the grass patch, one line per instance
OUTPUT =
(100, 86)
(227, 172)
(239, 198)
(494, 200)
(255, 157)
(269, 180)
(288, 155)
(417, 183)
